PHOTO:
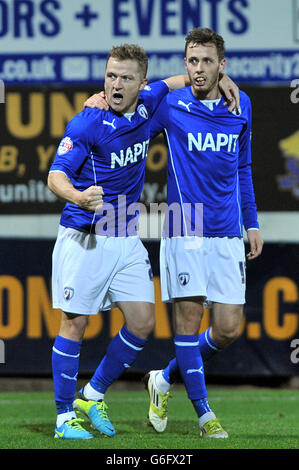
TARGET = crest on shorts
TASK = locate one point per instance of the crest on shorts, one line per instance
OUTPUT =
(184, 278)
(68, 293)
(65, 146)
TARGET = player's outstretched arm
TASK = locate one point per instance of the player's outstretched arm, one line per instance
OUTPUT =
(226, 85)
(91, 199)
(98, 100)
(256, 244)
(177, 81)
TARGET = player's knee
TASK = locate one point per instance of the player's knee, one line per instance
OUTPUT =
(188, 322)
(148, 325)
(228, 335)
(143, 327)
(73, 326)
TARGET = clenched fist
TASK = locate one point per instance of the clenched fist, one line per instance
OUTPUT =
(91, 198)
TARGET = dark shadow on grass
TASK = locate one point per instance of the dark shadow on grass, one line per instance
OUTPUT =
(129, 429)
(42, 428)
(174, 427)
(124, 428)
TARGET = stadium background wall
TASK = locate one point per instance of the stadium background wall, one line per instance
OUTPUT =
(32, 122)
(28, 324)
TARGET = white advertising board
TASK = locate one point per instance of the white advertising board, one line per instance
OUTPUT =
(66, 41)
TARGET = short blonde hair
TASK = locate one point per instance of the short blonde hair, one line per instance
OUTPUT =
(131, 52)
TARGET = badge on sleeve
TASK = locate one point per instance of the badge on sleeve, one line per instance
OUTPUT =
(65, 146)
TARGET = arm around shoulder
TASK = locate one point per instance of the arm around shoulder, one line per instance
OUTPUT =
(177, 81)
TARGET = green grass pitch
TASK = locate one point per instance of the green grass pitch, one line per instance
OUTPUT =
(254, 418)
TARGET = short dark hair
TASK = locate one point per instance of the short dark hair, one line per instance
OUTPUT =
(130, 52)
(203, 36)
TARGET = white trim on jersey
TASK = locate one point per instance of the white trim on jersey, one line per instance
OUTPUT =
(59, 171)
(210, 103)
(177, 182)
(239, 206)
(166, 84)
(95, 182)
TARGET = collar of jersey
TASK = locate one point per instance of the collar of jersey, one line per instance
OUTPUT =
(195, 100)
(120, 115)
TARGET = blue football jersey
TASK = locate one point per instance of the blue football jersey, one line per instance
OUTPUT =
(107, 149)
(209, 166)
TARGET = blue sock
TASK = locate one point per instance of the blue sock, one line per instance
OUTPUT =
(208, 348)
(201, 406)
(121, 353)
(65, 366)
(191, 365)
(171, 373)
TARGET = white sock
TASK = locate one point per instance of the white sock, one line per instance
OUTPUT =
(162, 385)
(91, 394)
(63, 417)
(206, 417)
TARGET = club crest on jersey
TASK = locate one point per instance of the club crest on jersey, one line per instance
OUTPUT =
(239, 111)
(184, 278)
(65, 146)
(142, 111)
(68, 293)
